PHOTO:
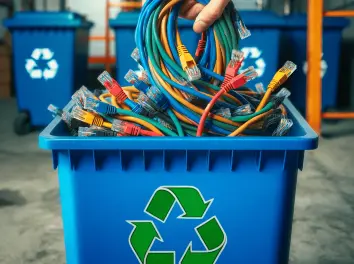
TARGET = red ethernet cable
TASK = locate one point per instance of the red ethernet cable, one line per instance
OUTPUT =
(234, 83)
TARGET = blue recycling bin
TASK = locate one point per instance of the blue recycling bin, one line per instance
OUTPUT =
(168, 200)
(261, 49)
(294, 48)
(50, 52)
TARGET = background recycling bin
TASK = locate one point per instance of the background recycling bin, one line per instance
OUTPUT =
(261, 48)
(50, 57)
(294, 48)
(178, 200)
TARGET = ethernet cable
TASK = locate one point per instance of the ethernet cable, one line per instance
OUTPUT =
(233, 83)
(176, 94)
(105, 108)
(130, 118)
(164, 76)
(279, 79)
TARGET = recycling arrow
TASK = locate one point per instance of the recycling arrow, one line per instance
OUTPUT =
(260, 63)
(36, 54)
(214, 240)
(30, 64)
(47, 54)
(194, 206)
(190, 200)
(254, 54)
(36, 74)
(160, 257)
(324, 67)
(50, 70)
(141, 240)
(53, 64)
(49, 74)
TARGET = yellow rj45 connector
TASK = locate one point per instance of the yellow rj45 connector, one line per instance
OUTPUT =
(279, 78)
(282, 75)
(89, 118)
(188, 63)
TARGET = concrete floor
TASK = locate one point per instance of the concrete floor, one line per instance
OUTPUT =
(30, 223)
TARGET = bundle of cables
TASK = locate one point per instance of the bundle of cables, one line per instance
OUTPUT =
(176, 94)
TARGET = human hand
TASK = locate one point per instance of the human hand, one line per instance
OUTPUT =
(204, 16)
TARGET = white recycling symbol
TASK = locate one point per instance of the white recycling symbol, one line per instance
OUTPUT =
(324, 67)
(51, 68)
(255, 54)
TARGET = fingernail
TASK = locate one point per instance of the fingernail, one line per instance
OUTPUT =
(200, 20)
(200, 25)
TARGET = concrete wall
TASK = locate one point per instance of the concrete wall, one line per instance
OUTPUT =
(95, 11)
(3, 15)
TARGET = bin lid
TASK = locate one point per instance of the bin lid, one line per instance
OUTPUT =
(130, 19)
(299, 20)
(47, 20)
(262, 19)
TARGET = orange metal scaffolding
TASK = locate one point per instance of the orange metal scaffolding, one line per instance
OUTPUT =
(107, 59)
(314, 55)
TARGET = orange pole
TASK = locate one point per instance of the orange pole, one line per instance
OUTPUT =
(101, 60)
(126, 4)
(99, 38)
(107, 41)
(314, 54)
(339, 13)
(344, 115)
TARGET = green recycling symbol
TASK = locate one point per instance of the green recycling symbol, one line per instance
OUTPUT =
(193, 205)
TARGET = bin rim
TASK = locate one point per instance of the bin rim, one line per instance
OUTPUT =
(308, 140)
(47, 19)
(299, 20)
(262, 19)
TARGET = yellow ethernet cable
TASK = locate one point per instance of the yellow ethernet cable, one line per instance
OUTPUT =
(131, 89)
(245, 125)
(279, 78)
(218, 65)
(187, 62)
(182, 117)
(90, 118)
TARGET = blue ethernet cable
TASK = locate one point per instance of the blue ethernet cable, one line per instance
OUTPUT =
(171, 32)
(190, 114)
(211, 73)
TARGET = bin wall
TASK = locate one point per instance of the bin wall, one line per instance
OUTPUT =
(245, 184)
(35, 94)
(81, 57)
(253, 194)
(294, 46)
(69, 48)
(267, 42)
